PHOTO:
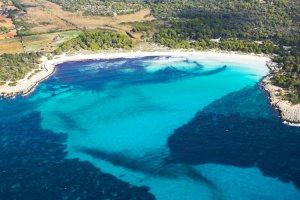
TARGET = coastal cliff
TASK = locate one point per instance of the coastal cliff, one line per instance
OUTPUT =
(289, 113)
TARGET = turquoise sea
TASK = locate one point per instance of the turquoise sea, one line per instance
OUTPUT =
(166, 128)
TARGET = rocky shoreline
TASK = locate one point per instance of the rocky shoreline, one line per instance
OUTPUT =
(47, 67)
(289, 113)
(29, 83)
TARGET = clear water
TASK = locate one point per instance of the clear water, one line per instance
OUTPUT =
(123, 115)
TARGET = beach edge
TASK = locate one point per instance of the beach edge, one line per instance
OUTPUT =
(290, 114)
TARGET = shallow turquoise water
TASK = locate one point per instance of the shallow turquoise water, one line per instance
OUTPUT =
(119, 115)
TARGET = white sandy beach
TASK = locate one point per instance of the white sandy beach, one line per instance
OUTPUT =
(288, 112)
(26, 85)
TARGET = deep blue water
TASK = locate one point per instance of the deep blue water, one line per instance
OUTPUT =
(180, 128)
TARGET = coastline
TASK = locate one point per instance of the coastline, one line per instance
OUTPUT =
(29, 83)
(290, 114)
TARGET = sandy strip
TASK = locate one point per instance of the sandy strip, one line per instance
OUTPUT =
(289, 113)
(26, 85)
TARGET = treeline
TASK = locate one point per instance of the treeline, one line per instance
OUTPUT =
(19, 5)
(276, 20)
(21, 26)
(141, 28)
(288, 76)
(3, 29)
(173, 39)
(146, 28)
(106, 8)
(96, 40)
(14, 67)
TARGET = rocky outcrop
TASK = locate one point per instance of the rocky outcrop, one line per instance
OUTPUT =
(289, 112)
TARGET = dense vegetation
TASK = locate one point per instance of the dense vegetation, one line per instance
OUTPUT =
(142, 27)
(194, 19)
(21, 25)
(171, 39)
(259, 26)
(97, 40)
(98, 7)
(270, 26)
(14, 67)
(18, 5)
(289, 74)
(146, 28)
(3, 30)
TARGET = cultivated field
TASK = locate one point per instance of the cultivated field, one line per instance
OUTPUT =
(47, 42)
(49, 17)
(48, 26)
(6, 22)
(11, 45)
(44, 42)
(10, 34)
